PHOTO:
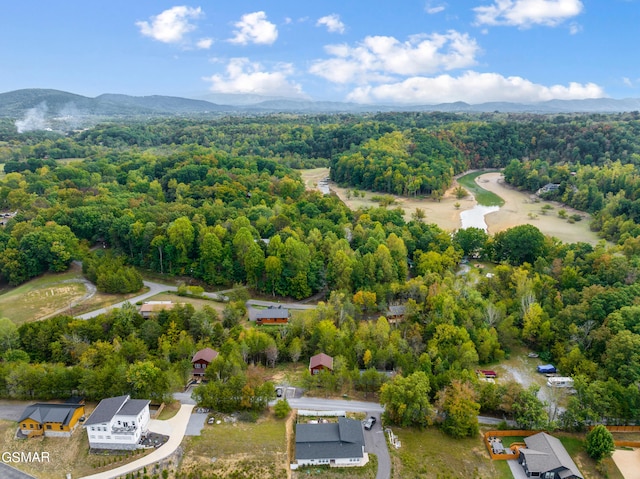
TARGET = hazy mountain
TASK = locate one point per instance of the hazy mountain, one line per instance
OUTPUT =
(41, 108)
(55, 103)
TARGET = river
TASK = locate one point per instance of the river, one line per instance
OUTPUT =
(474, 218)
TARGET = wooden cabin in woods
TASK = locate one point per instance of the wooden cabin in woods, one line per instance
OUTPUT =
(48, 419)
(396, 313)
(319, 362)
(271, 315)
(202, 359)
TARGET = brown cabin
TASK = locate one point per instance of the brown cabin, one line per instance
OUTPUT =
(319, 362)
(271, 315)
(202, 359)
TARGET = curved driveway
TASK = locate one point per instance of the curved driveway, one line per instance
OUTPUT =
(174, 428)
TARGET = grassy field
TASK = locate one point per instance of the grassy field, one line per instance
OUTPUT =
(40, 297)
(482, 196)
(248, 450)
(430, 454)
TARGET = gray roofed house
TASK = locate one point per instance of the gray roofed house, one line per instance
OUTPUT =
(50, 419)
(338, 444)
(546, 457)
(118, 423)
(270, 315)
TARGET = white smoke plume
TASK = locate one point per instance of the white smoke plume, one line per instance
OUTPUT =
(35, 119)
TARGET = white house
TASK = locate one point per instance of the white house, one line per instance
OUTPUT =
(118, 423)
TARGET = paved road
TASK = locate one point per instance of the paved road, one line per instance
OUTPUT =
(376, 443)
(8, 472)
(320, 404)
(154, 288)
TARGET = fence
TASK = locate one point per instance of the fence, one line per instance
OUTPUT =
(507, 433)
(623, 429)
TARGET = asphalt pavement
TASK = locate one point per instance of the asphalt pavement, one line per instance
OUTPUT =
(8, 472)
(376, 443)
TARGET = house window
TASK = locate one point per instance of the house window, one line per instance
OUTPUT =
(93, 428)
(108, 437)
(30, 426)
(61, 427)
(118, 423)
(24, 426)
(197, 365)
(92, 436)
(48, 426)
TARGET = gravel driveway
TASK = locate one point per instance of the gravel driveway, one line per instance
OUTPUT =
(12, 410)
(8, 472)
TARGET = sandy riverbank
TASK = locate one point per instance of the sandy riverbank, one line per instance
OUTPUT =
(519, 208)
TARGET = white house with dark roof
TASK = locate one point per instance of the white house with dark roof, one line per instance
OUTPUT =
(118, 423)
(338, 444)
(546, 457)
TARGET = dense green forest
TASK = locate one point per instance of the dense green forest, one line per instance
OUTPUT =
(222, 202)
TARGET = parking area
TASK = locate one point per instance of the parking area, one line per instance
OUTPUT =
(376, 443)
(196, 423)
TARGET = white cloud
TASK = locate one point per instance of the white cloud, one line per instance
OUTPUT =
(171, 25)
(627, 81)
(575, 28)
(378, 58)
(254, 28)
(525, 13)
(432, 7)
(204, 43)
(471, 87)
(332, 22)
(244, 76)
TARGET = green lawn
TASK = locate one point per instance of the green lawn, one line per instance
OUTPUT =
(482, 196)
(325, 472)
(40, 297)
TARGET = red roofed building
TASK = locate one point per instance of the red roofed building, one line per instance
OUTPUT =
(319, 362)
(202, 359)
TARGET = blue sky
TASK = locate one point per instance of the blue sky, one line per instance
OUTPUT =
(373, 51)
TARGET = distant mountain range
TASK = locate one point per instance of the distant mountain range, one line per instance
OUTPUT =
(50, 105)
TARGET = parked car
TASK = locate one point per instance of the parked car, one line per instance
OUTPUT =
(368, 424)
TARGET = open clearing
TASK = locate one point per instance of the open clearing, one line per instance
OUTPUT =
(197, 304)
(41, 297)
(519, 208)
(238, 449)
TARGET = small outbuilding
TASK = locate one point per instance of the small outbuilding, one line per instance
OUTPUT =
(319, 362)
(151, 309)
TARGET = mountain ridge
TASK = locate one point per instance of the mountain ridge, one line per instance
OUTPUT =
(51, 103)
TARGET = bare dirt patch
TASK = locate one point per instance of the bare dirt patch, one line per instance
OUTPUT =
(627, 462)
(518, 206)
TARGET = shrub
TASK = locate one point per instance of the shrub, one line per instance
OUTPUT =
(281, 408)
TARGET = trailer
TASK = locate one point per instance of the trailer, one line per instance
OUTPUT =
(560, 382)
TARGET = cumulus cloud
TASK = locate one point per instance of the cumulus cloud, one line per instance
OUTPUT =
(244, 76)
(332, 22)
(378, 58)
(471, 87)
(254, 28)
(526, 13)
(204, 43)
(171, 25)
